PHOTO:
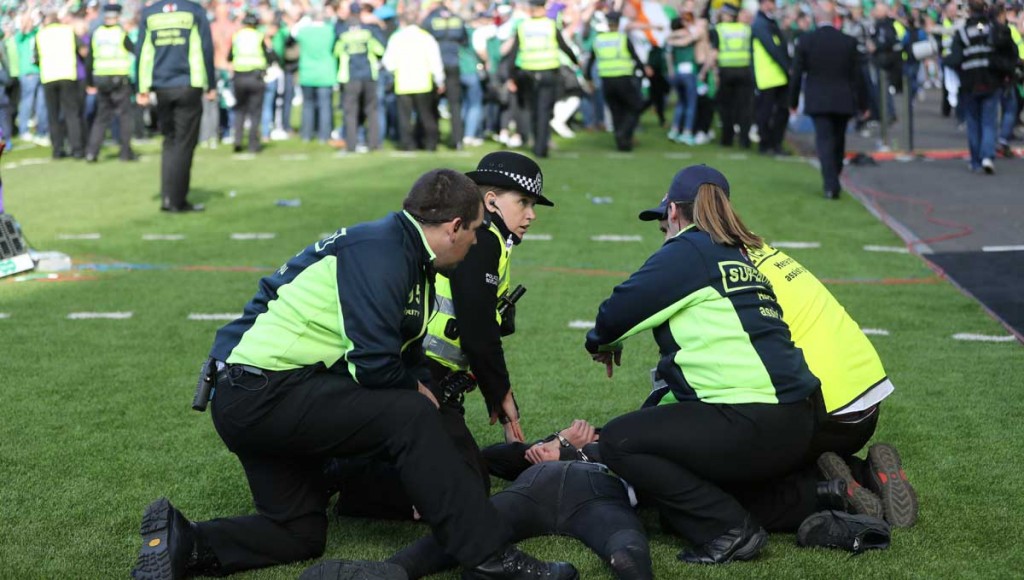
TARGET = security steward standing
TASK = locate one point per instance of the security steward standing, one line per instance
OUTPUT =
(108, 70)
(617, 65)
(175, 61)
(450, 32)
(327, 359)
(250, 55)
(534, 60)
(359, 50)
(57, 51)
(414, 57)
(737, 403)
(771, 66)
(731, 39)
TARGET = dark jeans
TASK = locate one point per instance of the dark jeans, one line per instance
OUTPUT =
(249, 93)
(625, 101)
(680, 455)
(453, 93)
(64, 107)
(425, 106)
(772, 116)
(735, 104)
(284, 425)
(317, 114)
(538, 92)
(830, 142)
(114, 100)
(569, 498)
(980, 112)
(179, 111)
(359, 101)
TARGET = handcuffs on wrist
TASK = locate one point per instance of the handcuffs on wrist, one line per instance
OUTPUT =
(580, 455)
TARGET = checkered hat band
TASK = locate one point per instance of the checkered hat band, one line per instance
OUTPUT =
(530, 184)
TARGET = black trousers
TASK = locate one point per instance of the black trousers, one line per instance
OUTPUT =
(425, 106)
(249, 92)
(830, 142)
(772, 116)
(568, 498)
(114, 98)
(179, 111)
(625, 101)
(359, 101)
(453, 93)
(64, 111)
(538, 92)
(735, 104)
(783, 504)
(284, 425)
(680, 455)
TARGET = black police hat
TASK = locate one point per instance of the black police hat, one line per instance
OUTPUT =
(112, 9)
(514, 171)
(250, 19)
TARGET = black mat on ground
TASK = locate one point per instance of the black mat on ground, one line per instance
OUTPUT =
(994, 278)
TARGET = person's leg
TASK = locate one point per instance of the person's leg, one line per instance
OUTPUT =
(290, 85)
(269, 108)
(350, 99)
(187, 113)
(243, 101)
(689, 82)
(325, 112)
(989, 124)
(824, 142)
(29, 84)
(453, 92)
(613, 96)
(371, 108)
(972, 116)
(657, 450)
(405, 108)
(472, 104)
(547, 94)
(308, 113)
(426, 112)
(1008, 101)
(51, 93)
(105, 110)
(781, 117)
(256, 113)
(781, 505)
(122, 99)
(727, 107)
(71, 101)
(839, 125)
(165, 112)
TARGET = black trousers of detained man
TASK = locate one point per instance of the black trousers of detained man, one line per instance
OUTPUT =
(284, 425)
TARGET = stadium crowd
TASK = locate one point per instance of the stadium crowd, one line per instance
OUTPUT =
(319, 59)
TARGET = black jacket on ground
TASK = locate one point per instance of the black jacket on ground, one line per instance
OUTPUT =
(832, 65)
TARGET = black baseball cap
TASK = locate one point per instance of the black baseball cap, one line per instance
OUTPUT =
(112, 9)
(514, 171)
(684, 189)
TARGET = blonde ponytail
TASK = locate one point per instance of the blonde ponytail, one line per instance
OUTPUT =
(713, 214)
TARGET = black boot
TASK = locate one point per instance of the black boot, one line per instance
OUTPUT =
(171, 546)
(832, 495)
(511, 564)
(835, 529)
(741, 543)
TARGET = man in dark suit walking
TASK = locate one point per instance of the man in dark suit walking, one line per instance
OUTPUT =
(834, 90)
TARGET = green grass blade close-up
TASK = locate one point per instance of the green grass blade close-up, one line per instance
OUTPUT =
(95, 420)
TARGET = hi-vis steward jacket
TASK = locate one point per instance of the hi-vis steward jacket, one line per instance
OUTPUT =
(836, 349)
(175, 48)
(465, 332)
(716, 321)
(356, 302)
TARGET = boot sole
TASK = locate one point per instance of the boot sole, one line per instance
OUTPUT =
(860, 499)
(154, 562)
(899, 500)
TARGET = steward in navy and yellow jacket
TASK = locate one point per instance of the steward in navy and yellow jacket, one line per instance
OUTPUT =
(355, 303)
(359, 49)
(108, 69)
(175, 47)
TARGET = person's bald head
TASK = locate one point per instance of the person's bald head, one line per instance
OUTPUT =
(880, 11)
(825, 12)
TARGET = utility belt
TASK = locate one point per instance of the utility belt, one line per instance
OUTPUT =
(452, 389)
(213, 373)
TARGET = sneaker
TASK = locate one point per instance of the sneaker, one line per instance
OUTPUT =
(988, 166)
(512, 564)
(278, 135)
(353, 570)
(701, 138)
(860, 499)
(515, 141)
(685, 138)
(562, 129)
(169, 547)
(836, 529)
(673, 135)
(738, 544)
(889, 481)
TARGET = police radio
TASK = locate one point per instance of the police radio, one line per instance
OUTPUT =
(509, 300)
(206, 385)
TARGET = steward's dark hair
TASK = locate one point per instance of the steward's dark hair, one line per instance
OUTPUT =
(441, 195)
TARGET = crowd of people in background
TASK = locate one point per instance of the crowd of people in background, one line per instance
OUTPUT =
(369, 71)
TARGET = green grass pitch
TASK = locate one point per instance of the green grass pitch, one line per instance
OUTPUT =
(95, 419)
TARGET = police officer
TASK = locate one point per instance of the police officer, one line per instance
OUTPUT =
(534, 58)
(250, 56)
(771, 77)
(450, 32)
(731, 39)
(726, 413)
(359, 50)
(57, 50)
(617, 65)
(108, 67)
(327, 360)
(175, 61)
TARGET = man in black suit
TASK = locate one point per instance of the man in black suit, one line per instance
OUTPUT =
(834, 90)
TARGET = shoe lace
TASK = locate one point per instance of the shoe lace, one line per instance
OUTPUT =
(516, 561)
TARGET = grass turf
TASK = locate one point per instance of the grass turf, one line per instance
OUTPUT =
(95, 420)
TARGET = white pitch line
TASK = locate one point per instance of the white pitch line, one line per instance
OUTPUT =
(1017, 248)
(295, 157)
(616, 238)
(581, 324)
(403, 154)
(163, 237)
(619, 155)
(253, 236)
(733, 156)
(678, 155)
(99, 315)
(982, 337)
(568, 155)
(892, 249)
(538, 237)
(875, 331)
(243, 156)
(215, 316)
(797, 245)
(78, 236)
(4, 315)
